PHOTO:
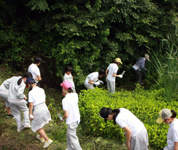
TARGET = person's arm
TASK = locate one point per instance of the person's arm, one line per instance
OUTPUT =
(115, 75)
(107, 72)
(30, 108)
(128, 135)
(66, 114)
(91, 82)
(175, 145)
(20, 91)
(38, 78)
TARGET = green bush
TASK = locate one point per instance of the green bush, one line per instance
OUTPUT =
(145, 104)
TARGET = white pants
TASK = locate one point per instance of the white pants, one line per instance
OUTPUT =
(16, 108)
(4, 96)
(72, 139)
(89, 86)
(110, 86)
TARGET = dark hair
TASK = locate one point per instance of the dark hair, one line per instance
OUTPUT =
(117, 63)
(102, 72)
(115, 113)
(70, 90)
(37, 60)
(25, 75)
(173, 114)
(32, 82)
(68, 68)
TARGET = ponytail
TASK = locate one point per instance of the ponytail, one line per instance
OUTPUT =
(173, 114)
(19, 81)
(115, 113)
(70, 90)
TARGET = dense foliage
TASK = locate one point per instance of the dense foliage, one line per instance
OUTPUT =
(85, 34)
(144, 104)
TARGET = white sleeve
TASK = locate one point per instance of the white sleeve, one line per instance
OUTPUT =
(93, 78)
(115, 70)
(37, 71)
(6, 83)
(175, 135)
(108, 67)
(121, 123)
(64, 105)
(30, 98)
(20, 91)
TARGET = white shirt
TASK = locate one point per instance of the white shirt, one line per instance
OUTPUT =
(172, 135)
(70, 103)
(93, 77)
(69, 78)
(36, 96)
(127, 118)
(34, 70)
(112, 68)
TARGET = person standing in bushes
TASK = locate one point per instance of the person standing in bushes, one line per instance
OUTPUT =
(135, 131)
(39, 112)
(17, 100)
(92, 79)
(140, 66)
(111, 74)
(71, 114)
(69, 77)
(169, 117)
(34, 70)
(4, 96)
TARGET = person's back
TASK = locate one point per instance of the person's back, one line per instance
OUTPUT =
(70, 103)
(15, 90)
(113, 68)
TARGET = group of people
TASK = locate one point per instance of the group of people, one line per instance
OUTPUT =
(11, 91)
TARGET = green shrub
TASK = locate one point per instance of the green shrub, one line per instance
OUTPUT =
(145, 104)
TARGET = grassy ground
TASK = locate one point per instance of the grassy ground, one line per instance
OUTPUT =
(10, 139)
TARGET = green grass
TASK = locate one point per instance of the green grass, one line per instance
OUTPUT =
(10, 139)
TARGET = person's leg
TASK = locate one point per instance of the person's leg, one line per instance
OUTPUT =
(112, 84)
(69, 146)
(89, 86)
(8, 110)
(43, 134)
(139, 76)
(17, 116)
(73, 139)
(23, 107)
(108, 86)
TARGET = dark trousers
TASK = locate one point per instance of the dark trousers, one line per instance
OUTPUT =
(139, 76)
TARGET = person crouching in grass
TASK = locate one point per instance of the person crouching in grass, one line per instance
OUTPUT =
(135, 131)
(40, 115)
(71, 114)
(169, 117)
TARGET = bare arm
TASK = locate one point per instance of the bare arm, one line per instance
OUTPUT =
(128, 136)
(175, 145)
(66, 114)
(38, 78)
(115, 75)
(106, 72)
(30, 108)
(91, 82)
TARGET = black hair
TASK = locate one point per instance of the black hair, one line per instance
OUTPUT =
(117, 63)
(102, 72)
(70, 90)
(37, 60)
(115, 113)
(173, 114)
(68, 68)
(25, 75)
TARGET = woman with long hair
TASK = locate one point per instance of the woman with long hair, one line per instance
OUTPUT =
(135, 131)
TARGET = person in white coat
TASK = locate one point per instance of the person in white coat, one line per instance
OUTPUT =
(135, 131)
(17, 100)
(39, 112)
(169, 117)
